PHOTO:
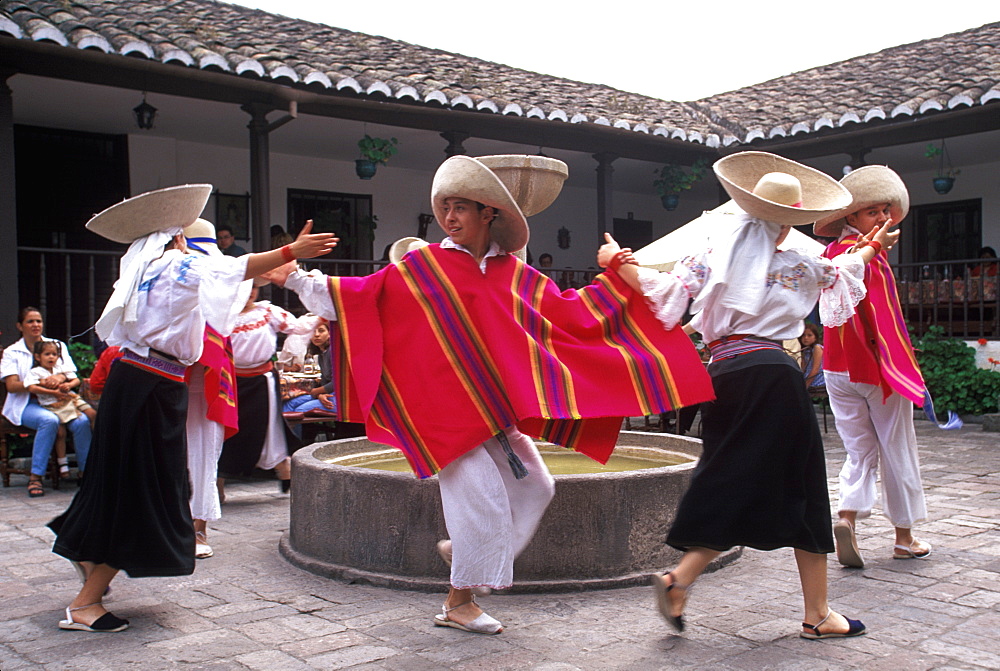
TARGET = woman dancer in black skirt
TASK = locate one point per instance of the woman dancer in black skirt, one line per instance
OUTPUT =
(761, 479)
(132, 512)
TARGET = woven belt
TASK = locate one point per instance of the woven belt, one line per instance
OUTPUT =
(266, 367)
(730, 346)
(157, 363)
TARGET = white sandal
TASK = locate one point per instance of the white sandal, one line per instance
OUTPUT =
(483, 624)
(906, 551)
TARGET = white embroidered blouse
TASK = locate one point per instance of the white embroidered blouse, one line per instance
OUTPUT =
(255, 335)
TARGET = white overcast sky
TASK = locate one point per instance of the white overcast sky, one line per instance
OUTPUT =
(667, 49)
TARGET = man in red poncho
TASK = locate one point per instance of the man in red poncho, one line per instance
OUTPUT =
(460, 352)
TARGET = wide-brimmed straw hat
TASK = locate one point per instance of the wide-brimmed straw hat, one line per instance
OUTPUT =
(533, 181)
(870, 185)
(200, 237)
(740, 174)
(399, 248)
(160, 210)
(473, 179)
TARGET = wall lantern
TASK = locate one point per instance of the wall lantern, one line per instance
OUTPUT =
(144, 114)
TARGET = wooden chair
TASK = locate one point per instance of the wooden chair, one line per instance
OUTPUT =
(824, 401)
(8, 431)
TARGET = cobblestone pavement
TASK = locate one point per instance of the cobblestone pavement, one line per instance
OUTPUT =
(246, 608)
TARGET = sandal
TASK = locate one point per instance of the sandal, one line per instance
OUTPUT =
(202, 550)
(483, 624)
(105, 624)
(663, 600)
(848, 553)
(35, 489)
(923, 550)
(855, 628)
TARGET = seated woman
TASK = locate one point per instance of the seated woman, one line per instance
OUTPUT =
(320, 399)
(23, 409)
(812, 358)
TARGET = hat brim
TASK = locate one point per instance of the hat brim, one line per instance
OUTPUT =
(533, 181)
(821, 194)
(160, 210)
(868, 185)
(400, 248)
(465, 177)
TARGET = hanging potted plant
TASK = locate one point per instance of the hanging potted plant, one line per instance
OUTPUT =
(374, 150)
(944, 179)
(671, 179)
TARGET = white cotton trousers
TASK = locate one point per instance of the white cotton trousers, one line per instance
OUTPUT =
(275, 448)
(204, 445)
(491, 516)
(877, 433)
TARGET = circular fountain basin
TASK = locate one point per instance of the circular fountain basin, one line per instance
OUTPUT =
(380, 526)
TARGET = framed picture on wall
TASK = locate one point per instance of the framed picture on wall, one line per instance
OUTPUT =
(233, 210)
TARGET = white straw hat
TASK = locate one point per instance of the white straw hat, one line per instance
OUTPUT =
(520, 181)
(741, 173)
(870, 185)
(162, 210)
(399, 248)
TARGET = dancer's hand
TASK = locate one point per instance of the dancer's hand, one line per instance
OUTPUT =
(309, 245)
(280, 274)
(610, 249)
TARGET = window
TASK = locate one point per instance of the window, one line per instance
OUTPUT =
(348, 215)
(945, 231)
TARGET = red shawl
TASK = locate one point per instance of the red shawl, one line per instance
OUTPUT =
(874, 347)
(220, 381)
(435, 357)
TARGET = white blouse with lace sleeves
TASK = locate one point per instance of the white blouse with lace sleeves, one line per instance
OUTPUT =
(844, 291)
(255, 335)
(666, 295)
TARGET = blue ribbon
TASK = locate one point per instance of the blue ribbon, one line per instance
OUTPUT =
(191, 244)
(954, 421)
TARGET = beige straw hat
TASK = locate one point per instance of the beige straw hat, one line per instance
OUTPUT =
(201, 237)
(160, 210)
(535, 179)
(741, 173)
(870, 185)
(399, 248)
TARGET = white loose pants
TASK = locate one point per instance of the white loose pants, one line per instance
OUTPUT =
(491, 516)
(875, 432)
(204, 445)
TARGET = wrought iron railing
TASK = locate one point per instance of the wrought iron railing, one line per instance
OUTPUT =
(71, 286)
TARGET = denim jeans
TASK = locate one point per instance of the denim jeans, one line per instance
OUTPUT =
(305, 403)
(45, 423)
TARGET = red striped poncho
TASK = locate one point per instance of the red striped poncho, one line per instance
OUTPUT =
(873, 347)
(435, 357)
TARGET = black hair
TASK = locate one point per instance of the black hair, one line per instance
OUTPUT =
(223, 227)
(988, 250)
(39, 347)
(23, 313)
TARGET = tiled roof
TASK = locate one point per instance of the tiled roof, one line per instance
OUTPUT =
(955, 70)
(950, 72)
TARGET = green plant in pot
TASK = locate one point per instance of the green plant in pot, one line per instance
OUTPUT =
(944, 178)
(671, 179)
(374, 150)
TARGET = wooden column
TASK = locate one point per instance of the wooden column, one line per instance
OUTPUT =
(9, 296)
(455, 139)
(605, 192)
(260, 175)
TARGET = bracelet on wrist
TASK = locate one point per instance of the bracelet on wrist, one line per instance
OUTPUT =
(286, 254)
(617, 261)
(876, 245)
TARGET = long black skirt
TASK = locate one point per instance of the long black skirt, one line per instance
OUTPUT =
(761, 479)
(258, 398)
(132, 511)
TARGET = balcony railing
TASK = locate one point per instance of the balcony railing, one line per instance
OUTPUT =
(71, 287)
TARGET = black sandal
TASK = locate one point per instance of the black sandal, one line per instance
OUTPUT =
(35, 489)
(663, 600)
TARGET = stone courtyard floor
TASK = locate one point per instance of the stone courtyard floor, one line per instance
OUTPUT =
(246, 608)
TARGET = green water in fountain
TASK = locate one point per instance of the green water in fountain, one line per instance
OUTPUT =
(559, 461)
